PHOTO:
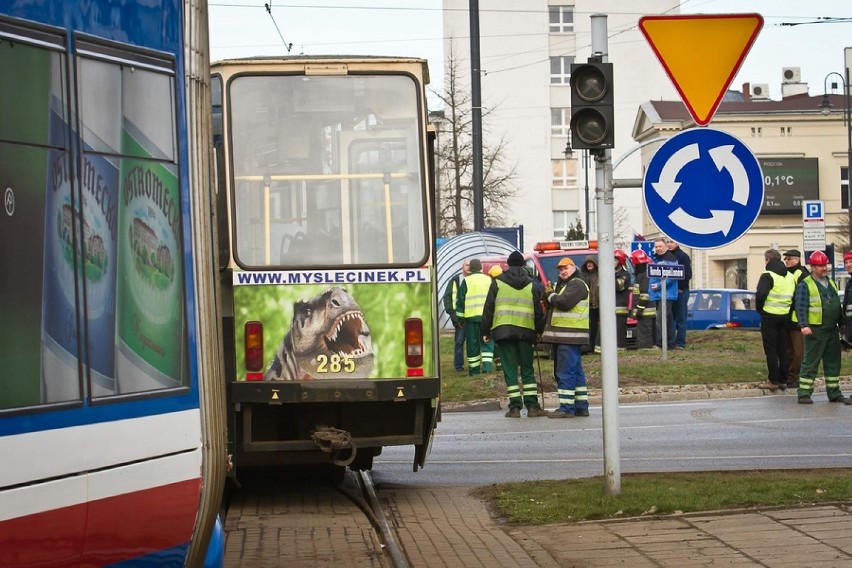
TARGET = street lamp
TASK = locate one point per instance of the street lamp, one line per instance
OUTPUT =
(569, 153)
(825, 108)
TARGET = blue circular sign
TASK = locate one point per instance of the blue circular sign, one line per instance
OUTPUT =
(703, 188)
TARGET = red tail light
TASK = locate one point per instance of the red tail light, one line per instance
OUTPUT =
(414, 342)
(733, 324)
(254, 346)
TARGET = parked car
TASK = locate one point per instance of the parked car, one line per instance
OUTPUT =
(722, 308)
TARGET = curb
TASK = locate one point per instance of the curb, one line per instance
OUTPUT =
(631, 395)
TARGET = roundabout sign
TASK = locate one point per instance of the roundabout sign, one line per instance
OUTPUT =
(703, 188)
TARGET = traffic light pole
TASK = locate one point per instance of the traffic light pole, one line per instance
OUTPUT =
(476, 119)
(606, 253)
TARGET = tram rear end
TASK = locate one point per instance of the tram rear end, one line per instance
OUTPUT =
(325, 207)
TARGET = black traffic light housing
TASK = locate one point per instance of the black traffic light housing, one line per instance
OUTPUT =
(592, 123)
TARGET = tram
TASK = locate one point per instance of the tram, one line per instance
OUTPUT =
(111, 390)
(326, 231)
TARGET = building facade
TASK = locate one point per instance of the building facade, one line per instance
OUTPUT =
(803, 154)
(526, 49)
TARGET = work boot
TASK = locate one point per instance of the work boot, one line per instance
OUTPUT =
(805, 400)
(560, 414)
(847, 401)
(768, 386)
(535, 412)
(838, 398)
(581, 412)
(792, 384)
(513, 413)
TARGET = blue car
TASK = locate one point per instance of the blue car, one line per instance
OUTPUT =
(722, 308)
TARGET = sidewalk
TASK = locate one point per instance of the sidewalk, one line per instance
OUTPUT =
(446, 527)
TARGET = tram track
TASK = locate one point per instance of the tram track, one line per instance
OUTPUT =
(279, 521)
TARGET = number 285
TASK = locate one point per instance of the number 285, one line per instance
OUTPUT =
(335, 363)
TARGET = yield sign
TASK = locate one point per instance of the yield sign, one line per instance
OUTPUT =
(701, 54)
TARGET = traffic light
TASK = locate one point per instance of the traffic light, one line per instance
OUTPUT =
(592, 124)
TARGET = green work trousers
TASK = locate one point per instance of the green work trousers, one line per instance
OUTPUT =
(519, 355)
(822, 345)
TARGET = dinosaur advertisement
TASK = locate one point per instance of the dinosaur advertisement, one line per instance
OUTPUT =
(321, 331)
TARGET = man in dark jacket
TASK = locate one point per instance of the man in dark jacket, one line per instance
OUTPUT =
(774, 299)
(795, 342)
(847, 303)
(451, 294)
(514, 318)
(680, 305)
(664, 294)
(591, 275)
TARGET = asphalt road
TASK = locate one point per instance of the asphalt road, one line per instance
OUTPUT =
(766, 432)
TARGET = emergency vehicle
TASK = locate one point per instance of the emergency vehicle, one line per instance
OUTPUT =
(541, 263)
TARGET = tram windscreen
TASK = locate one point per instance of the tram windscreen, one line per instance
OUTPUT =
(326, 170)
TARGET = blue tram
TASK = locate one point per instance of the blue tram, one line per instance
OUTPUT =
(111, 398)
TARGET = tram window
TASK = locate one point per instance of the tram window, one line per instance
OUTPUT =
(133, 242)
(311, 158)
(38, 335)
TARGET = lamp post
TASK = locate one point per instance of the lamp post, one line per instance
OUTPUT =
(825, 108)
(569, 153)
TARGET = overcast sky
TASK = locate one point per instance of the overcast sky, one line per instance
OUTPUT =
(242, 28)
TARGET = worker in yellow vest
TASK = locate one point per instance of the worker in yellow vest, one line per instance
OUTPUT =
(470, 303)
(567, 326)
(819, 314)
(774, 299)
(513, 318)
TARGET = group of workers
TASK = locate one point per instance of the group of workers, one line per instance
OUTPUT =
(803, 322)
(504, 314)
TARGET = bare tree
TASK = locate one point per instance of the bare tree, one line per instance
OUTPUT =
(454, 161)
(621, 228)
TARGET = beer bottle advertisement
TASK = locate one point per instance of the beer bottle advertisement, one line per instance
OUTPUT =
(150, 322)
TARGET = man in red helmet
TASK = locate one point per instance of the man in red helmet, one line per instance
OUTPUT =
(819, 314)
(643, 309)
(622, 297)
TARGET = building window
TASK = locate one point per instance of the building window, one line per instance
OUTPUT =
(736, 274)
(562, 221)
(564, 173)
(560, 70)
(561, 19)
(844, 188)
(560, 121)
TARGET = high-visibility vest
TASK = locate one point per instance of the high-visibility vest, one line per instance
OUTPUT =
(575, 318)
(815, 301)
(477, 290)
(780, 297)
(513, 306)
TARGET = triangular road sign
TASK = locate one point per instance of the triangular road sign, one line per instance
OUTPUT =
(701, 54)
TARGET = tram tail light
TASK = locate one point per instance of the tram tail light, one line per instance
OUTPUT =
(254, 349)
(414, 345)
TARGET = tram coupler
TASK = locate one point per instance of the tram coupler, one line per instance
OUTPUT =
(334, 441)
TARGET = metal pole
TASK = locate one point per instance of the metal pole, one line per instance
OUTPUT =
(664, 341)
(476, 118)
(606, 252)
(586, 188)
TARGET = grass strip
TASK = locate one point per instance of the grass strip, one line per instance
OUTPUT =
(545, 502)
